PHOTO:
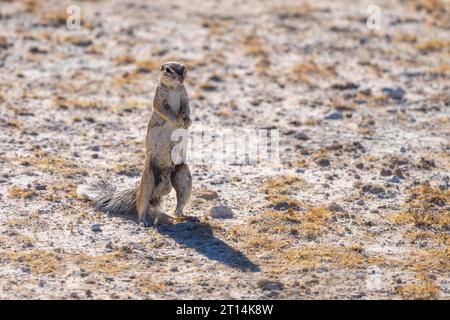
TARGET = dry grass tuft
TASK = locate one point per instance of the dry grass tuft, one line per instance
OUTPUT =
(58, 18)
(48, 162)
(79, 103)
(292, 222)
(429, 5)
(283, 202)
(109, 263)
(43, 261)
(312, 256)
(282, 184)
(277, 189)
(29, 5)
(405, 37)
(442, 69)
(255, 46)
(216, 27)
(149, 65)
(432, 45)
(428, 290)
(438, 11)
(263, 243)
(433, 260)
(306, 71)
(428, 206)
(298, 11)
(78, 40)
(124, 59)
(18, 192)
(54, 18)
(127, 78)
(148, 284)
(314, 220)
(39, 261)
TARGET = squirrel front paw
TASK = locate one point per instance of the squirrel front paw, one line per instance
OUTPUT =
(187, 122)
(183, 122)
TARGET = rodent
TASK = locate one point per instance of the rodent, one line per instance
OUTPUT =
(170, 112)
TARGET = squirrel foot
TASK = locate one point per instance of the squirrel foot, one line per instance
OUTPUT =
(144, 222)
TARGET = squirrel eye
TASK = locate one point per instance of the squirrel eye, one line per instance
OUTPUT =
(168, 70)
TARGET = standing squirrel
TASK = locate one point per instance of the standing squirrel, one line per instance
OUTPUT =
(170, 112)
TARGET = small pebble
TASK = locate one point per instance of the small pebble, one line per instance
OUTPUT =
(96, 227)
(394, 179)
(268, 285)
(394, 93)
(323, 162)
(221, 212)
(336, 115)
(301, 136)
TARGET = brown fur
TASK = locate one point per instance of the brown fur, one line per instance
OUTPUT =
(160, 174)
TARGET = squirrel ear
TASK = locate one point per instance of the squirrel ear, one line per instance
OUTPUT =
(162, 67)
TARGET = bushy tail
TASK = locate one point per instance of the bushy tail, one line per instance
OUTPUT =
(106, 198)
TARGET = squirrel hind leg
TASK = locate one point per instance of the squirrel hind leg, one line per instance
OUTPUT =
(182, 183)
(144, 221)
(153, 215)
(150, 218)
(158, 216)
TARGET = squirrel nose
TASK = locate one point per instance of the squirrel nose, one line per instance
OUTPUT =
(180, 70)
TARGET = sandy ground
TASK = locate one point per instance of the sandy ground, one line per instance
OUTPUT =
(358, 210)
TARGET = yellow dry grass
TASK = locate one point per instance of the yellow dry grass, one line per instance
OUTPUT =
(282, 184)
(81, 103)
(39, 261)
(124, 59)
(429, 5)
(54, 17)
(275, 231)
(432, 45)
(311, 256)
(47, 162)
(427, 206)
(313, 220)
(18, 192)
(441, 69)
(148, 284)
(301, 162)
(58, 17)
(127, 78)
(432, 260)
(306, 71)
(44, 261)
(256, 47)
(405, 37)
(277, 199)
(73, 39)
(427, 290)
(100, 104)
(292, 222)
(109, 263)
(149, 64)
(294, 11)
(216, 27)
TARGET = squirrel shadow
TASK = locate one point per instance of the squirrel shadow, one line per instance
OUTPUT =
(199, 236)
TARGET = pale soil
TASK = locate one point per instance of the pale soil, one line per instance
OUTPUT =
(76, 103)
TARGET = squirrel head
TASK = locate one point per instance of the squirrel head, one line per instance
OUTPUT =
(172, 74)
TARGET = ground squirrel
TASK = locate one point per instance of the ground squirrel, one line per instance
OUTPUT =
(170, 112)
